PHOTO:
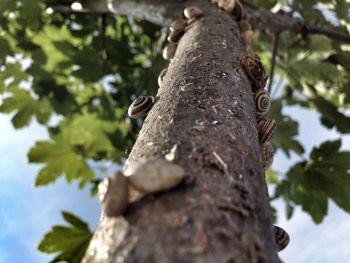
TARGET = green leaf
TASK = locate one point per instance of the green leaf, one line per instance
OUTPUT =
(5, 50)
(325, 176)
(25, 107)
(60, 158)
(287, 130)
(272, 177)
(7, 5)
(331, 117)
(69, 242)
(305, 193)
(75, 221)
(90, 132)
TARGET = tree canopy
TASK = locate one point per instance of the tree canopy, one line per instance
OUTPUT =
(77, 72)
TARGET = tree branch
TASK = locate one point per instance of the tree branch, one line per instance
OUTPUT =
(281, 22)
(332, 34)
(162, 13)
(273, 60)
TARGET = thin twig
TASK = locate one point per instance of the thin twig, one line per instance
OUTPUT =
(273, 59)
(332, 34)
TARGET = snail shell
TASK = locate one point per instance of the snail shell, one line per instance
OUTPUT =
(169, 51)
(113, 195)
(161, 76)
(262, 101)
(247, 37)
(140, 107)
(266, 129)
(175, 35)
(192, 13)
(244, 25)
(239, 11)
(178, 25)
(255, 71)
(267, 155)
(281, 237)
(227, 5)
(155, 175)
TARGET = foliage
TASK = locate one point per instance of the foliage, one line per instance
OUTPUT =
(76, 73)
(69, 242)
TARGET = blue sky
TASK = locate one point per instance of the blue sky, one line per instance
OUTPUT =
(27, 213)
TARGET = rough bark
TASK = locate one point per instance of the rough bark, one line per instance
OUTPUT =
(205, 111)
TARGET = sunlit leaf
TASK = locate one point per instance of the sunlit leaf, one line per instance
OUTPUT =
(68, 242)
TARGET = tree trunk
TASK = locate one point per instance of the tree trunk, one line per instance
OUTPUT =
(205, 112)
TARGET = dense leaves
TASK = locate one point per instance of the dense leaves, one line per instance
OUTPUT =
(80, 72)
(68, 242)
(325, 176)
(284, 138)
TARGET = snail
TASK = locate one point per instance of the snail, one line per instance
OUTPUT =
(150, 176)
(192, 13)
(178, 25)
(239, 11)
(140, 107)
(262, 102)
(155, 174)
(161, 76)
(244, 25)
(267, 155)
(255, 70)
(247, 37)
(113, 195)
(227, 5)
(281, 237)
(169, 51)
(175, 35)
(266, 129)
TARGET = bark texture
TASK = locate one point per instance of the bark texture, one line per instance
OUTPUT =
(205, 115)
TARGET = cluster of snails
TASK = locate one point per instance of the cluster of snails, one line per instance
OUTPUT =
(141, 106)
(266, 127)
(236, 8)
(254, 69)
(147, 177)
(257, 76)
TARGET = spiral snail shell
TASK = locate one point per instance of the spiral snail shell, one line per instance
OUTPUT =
(281, 237)
(262, 101)
(175, 35)
(244, 25)
(140, 107)
(255, 70)
(266, 129)
(267, 155)
(247, 37)
(155, 174)
(113, 195)
(178, 25)
(161, 76)
(192, 13)
(169, 51)
(227, 5)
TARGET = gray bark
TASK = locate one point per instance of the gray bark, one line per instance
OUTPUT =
(205, 111)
